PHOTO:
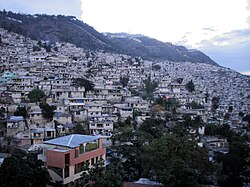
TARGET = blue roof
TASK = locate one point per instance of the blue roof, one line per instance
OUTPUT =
(72, 141)
(15, 118)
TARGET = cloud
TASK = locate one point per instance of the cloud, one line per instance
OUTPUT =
(246, 73)
(209, 29)
(248, 8)
(229, 49)
(65, 7)
(236, 37)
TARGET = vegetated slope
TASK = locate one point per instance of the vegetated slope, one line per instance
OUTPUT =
(55, 29)
(150, 48)
(68, 29)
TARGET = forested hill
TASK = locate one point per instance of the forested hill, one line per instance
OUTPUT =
(69, 29)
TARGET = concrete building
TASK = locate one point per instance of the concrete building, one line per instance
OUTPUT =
(65, 156)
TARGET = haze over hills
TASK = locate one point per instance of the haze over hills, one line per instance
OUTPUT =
(68, 29)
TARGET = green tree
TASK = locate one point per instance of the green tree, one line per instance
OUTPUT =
(190, 86)
(129, 145)
(211, 130)
(82, 82)
(36, 48)
(2, 113)
(179, 80)
(96, 176)
(180, 161)
(227, 116)
(22, 170)
(230, 109)
(78, 129)
(215, 103)
(235, 165)
(21, 111)
(47, 47)
(247, 118)
(170, 104)
(177, 173)
(36, 95)
(149, 87)
(156, 67)
(155, 127)
(241, 114)
(124, 81)
(47, 111)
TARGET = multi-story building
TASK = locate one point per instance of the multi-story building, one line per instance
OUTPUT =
(66, 156)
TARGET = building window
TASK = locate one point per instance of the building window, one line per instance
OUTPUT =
(79, 167)
(81, 149)
(67, 158)
(92, 161)
(96, 159)
(66, 171)
(76, 153)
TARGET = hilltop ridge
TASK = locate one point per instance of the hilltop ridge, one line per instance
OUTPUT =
(61, 28)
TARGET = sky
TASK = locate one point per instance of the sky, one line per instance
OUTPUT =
(219, 28)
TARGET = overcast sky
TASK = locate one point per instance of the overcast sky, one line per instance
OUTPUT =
(220, 28)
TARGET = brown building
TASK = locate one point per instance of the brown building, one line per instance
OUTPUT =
(65, 156)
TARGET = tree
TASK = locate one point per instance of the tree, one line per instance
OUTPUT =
(82, 82)
(241, 114)
(155, 127)
(124, 81)
(47, 47)
(230, 109)
(211, 130)
(227, 116)
(21, 111)
(129, 146)
(206, 96)
(247, 118)
(180, 161)
(36, 48)
(47, 111)
(190, 86)
(78, 129)
(215, 103)
(56, 49)
(2, 113)
(22, 169)
(235, 165)
(170, 104)
(177, 173)
(96, 176)
(156, 67)
(149, 87)
(179, 80)
(36, 95)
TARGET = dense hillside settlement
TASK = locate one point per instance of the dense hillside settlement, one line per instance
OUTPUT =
(160, 123)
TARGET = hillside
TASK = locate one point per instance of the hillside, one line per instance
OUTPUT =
(147, 48)
(68, 29)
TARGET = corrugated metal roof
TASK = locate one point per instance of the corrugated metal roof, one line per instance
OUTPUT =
(72, 141)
